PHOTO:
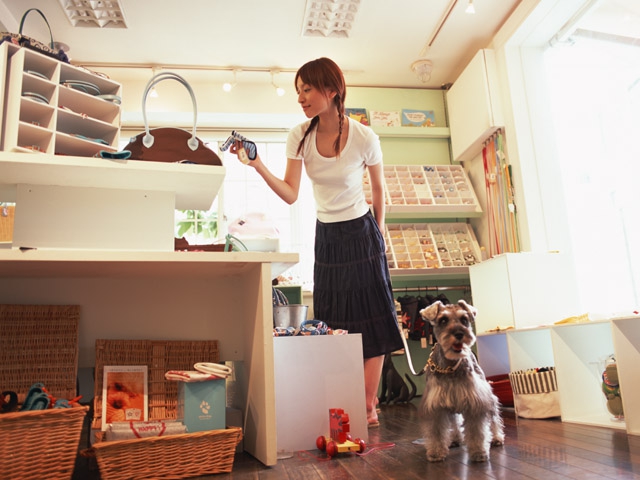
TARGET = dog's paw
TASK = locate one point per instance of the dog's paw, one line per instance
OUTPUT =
(497, 442)
(478, 456)
(436, 458)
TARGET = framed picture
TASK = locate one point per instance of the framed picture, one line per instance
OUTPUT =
(124, 394)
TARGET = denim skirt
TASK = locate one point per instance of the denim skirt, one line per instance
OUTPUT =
(352, 286)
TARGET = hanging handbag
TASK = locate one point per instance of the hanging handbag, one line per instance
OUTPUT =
(169, 144)
(33, 44)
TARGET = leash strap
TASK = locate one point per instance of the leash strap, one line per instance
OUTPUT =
(408, 353)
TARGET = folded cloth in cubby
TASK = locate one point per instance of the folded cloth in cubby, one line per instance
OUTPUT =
(129, 430)
(203, 372)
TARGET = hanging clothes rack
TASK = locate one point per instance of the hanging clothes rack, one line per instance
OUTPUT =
(432, 288)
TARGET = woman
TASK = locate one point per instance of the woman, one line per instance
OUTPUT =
(352, 285)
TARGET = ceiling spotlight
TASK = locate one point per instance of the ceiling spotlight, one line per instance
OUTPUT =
(279, 90)
(422, 68)
(470, 8)
(227, 86)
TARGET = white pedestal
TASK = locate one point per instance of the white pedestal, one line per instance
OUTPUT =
(523, 290)
(312, 375)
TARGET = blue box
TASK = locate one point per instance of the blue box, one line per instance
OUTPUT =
(202, 405)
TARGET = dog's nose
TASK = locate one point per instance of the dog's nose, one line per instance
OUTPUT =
(459, 336)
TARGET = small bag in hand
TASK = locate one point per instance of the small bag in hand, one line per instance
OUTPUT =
(32, 43)
(169, 144)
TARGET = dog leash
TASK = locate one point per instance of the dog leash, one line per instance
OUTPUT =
(408, 353)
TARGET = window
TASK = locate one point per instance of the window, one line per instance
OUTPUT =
(595, 98)
(243, 193)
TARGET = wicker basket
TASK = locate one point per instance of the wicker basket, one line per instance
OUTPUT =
(40, 444)
(39, 343)
(159, 356)
(175, 456)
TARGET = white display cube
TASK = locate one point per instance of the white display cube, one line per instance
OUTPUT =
(313, 374)
(523, 290)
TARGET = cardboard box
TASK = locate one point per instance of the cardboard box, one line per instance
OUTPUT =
(202, 405)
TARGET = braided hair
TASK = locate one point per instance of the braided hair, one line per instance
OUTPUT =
(325, 75)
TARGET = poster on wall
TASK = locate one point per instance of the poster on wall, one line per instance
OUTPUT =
(124, 394)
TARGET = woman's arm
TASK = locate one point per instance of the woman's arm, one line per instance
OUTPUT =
(376, 177)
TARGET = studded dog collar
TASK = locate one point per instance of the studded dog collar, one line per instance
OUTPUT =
(433, 367)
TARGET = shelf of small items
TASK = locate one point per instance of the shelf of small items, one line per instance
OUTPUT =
(436, 191)
(431, 249)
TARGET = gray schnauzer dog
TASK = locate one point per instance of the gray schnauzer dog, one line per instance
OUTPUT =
(458, 403)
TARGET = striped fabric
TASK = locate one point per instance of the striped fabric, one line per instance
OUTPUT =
(524, 382)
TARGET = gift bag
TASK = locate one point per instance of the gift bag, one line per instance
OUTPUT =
(170, 144)
(32, 43)
(535, 393)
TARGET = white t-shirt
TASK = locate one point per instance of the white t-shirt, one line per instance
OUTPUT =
(337, 181)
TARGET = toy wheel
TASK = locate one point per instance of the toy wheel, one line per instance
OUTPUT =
(332, 448)
(321, 443)
(360, 442)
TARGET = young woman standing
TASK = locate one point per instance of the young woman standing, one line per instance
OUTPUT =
(352, 285)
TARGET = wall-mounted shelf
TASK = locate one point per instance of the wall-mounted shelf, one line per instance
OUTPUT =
(412, 132)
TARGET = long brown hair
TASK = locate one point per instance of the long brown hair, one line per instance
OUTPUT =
(325, 75)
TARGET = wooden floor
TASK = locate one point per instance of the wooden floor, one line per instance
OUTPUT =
(538, 449)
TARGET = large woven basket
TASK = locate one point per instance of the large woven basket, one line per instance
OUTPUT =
(174, 456)
(39, 344)
(40, 444)
(159, 356)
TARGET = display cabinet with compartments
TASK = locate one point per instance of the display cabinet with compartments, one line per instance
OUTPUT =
(56, 108)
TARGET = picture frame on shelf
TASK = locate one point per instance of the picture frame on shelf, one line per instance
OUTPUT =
(385, 119)
(124, 394)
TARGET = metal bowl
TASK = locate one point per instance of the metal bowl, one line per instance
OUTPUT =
(289, 315)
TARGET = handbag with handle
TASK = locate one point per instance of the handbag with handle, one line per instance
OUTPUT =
(170, 144)
(32, 43)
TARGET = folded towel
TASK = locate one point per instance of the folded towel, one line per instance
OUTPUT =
(190, 376)
(214, 369)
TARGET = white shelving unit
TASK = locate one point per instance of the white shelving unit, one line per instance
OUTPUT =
(580, 351)
(626, 342)
(131, 292)
(56, 108)
(77, 202)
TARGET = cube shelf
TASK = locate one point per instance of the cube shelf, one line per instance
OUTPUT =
(56, 108)
(425, 246)
(416, 188)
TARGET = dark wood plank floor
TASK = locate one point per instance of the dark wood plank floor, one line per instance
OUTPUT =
(534, 449)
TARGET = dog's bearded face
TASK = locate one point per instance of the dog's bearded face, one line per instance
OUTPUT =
(452, 326)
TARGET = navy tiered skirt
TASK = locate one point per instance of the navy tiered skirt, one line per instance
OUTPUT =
(352, 286)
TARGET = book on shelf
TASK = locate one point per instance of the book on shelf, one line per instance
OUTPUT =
(385, 119)
(418, 118)
(358, 114)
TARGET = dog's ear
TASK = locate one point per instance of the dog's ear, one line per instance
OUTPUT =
(473, 311)
(431, 312)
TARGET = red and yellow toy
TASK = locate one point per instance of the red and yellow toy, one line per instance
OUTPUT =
(340, 439)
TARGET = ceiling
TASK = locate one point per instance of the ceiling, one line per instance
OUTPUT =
(386, 38)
